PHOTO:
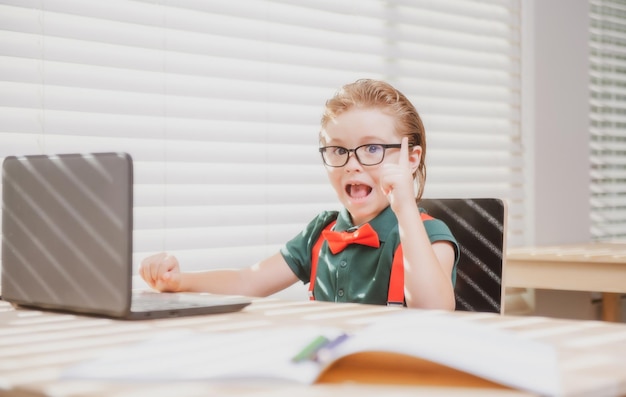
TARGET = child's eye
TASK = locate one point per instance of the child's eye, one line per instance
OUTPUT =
(340, 151)
(373, 149)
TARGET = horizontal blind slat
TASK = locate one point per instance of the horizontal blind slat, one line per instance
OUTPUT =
(219, 103)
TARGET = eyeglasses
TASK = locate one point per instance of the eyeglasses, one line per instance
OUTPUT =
(369, 154)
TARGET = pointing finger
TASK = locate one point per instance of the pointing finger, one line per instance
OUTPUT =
(404, 153)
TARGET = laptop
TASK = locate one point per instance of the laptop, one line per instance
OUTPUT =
(67, 236)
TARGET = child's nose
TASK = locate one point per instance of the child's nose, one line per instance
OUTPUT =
(353, 162)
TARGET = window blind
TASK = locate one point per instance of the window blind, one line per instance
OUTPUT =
(608, 119)
(219, 103)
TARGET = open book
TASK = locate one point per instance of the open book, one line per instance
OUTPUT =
(409, 347)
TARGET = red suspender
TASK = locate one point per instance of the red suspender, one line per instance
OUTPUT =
(315, 255)
(395, 296)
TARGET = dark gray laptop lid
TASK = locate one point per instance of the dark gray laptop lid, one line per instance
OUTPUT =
(67, 232)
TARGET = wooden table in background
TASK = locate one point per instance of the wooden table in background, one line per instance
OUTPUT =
(592, 267)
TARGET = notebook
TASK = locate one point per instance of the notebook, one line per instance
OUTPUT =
(67, 238)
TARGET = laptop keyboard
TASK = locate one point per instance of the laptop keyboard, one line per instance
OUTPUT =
(159, 301)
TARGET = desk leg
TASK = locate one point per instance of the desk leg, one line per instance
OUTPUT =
(611, 306)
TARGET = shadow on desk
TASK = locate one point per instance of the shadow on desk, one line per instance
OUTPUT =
(35, 347)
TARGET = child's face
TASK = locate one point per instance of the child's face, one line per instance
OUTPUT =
(357, 186)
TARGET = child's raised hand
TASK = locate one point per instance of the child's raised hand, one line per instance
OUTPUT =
(396, 180)
(161, 272)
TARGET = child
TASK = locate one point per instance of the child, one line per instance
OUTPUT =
(372, 143)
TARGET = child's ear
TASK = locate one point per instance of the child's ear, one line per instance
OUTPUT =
(415, 155)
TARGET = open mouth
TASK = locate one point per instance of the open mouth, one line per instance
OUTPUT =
(358, 191)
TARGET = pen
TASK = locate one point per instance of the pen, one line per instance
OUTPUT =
(324, 352)
(311, 349)
(338, 340)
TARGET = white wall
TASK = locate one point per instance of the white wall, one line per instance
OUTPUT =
(556, 102)
(556, 119)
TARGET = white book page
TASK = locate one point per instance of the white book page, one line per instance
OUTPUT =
(487, 352)
(253, 355)
(259, 355)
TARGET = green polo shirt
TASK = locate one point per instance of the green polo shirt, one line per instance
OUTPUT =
(358, 273)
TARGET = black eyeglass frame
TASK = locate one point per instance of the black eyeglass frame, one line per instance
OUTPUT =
(385, 146)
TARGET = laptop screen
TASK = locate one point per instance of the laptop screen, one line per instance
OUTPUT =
(67, 231)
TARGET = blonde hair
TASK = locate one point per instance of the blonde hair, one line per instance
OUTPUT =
(366, 93)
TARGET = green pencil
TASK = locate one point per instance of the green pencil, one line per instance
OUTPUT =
(309, 350)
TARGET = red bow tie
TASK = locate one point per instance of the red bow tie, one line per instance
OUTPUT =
(365, 235)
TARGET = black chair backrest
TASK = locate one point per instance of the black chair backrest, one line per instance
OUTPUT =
(479, 225)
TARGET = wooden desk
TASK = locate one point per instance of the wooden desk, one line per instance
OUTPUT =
(593, 267)
(36, 346)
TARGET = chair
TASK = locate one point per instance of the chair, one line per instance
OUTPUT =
(479, 225)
